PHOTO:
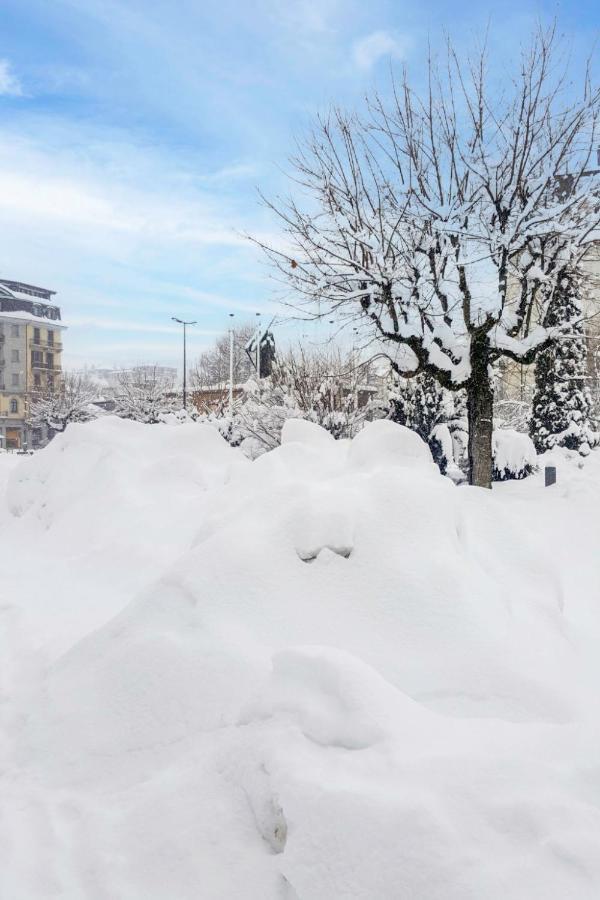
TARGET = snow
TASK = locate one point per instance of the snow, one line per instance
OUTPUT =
(385, 444)
(305, 432)
(328, 673)
(8, 460)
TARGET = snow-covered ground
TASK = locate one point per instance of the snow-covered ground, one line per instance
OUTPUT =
(326, 674)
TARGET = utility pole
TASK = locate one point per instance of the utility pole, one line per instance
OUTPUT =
(185, 324)
(231, 315)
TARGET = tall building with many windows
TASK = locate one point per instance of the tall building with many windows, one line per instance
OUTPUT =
(30, 356)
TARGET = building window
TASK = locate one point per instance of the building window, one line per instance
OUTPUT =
(37, 357)
(15, 355)
(14, 406)
(50, 360)
(37, 379)
(50, 337)
(14, 379)
(14, 330)
(36, 336)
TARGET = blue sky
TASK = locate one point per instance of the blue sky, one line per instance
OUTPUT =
(134, 133)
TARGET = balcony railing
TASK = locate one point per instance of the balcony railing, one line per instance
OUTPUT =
(47, 367)
(47, 345)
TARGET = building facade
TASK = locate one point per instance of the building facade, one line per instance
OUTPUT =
(30, 358)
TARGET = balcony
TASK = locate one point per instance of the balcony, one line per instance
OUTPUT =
(55, 346)
(47, 367)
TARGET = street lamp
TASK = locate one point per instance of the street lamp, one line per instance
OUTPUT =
(258, 336)
(231, 315)
(185, 324)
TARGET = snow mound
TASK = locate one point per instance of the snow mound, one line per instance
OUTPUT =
(334, 698)
(78, 485)
(328, 673)
(305, 432)
(384, 443)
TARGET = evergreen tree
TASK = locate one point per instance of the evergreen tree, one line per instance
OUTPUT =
(561, 413)
(424, 406)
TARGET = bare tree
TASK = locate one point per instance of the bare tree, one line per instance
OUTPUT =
(145, 393)
(66, 401)
(445, 220)
(211, 369)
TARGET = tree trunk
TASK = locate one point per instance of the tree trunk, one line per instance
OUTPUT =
(480, 407)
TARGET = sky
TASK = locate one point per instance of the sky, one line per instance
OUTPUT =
(135, 134)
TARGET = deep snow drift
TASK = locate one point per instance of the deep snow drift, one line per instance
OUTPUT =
(326, 674)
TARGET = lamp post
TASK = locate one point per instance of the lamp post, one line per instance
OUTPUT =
(231, 315)
(185, 324)
(258, 336)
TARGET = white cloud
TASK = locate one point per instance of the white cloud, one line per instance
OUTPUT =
(9, 83)
(371, 48)
(31, 188)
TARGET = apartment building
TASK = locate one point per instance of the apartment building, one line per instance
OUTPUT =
(30, 357)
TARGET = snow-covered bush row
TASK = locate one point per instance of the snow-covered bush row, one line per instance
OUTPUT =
(325, 673)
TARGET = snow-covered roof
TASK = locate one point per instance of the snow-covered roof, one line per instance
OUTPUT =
(34, 305)
(21, 295)
(22, 316)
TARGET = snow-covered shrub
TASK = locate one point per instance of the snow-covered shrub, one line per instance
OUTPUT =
(227, 426)
(179, 416)
(321, 387)
(259, 416)
(513, 454)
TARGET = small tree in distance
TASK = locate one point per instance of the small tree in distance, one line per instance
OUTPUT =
(145, 394)
(444, 221)
(211, 369)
